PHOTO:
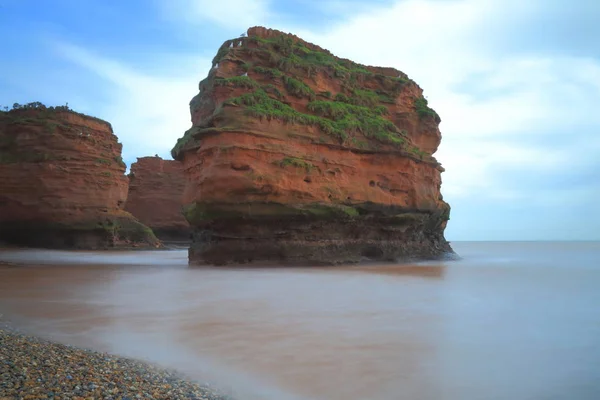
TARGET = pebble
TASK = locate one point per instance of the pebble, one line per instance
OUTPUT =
(32, 368)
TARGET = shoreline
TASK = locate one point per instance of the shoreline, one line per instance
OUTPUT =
(36, 368)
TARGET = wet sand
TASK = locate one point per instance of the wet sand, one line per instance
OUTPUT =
(509, 321)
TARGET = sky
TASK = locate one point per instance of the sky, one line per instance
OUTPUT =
(516, 83)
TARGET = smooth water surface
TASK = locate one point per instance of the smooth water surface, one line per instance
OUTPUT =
(508, 321)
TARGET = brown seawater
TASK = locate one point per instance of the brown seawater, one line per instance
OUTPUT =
(508, 321)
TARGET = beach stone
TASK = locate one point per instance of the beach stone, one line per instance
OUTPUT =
(68, 372)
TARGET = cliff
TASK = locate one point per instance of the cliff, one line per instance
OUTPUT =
(296, 156)
(155, 197)
(62, 182)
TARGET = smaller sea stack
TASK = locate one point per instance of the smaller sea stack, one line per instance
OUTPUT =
(155, 197)
(63, 182)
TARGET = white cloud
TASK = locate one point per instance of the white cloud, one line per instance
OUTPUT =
(227, 13)
(488, 101)
(148, 113)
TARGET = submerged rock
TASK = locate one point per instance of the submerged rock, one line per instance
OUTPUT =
(62, 182)
(155, 197)
(296, 156)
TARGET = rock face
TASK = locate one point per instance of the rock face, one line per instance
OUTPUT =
(296, 156)
(62, 182)
(155, 197)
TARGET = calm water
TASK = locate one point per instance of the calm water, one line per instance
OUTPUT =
(509, 321)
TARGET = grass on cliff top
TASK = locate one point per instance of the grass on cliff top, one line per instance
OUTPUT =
(294, 53)
(48, 111)
(357, 109)
(289, 54)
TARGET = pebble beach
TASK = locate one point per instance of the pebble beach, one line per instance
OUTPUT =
(32, 368)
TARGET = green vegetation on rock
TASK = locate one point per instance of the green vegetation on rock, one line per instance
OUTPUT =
(350, 118)
(7, 157)
(198, 213)
(296, 163)
(408, 219)
(119, 160)
(51, 127)
(130, 229)
(334, 118)
(446, 214)
(332, 210)
(289, 54)
(420, 153)
(237, 81)
(103, 161)
(44, 112)
(221, 53)
(362, 97)
(260, 105)
(270, 72)
(272, 89)
(298, 88)
(357, 109)
(424, 110)
(184, 140)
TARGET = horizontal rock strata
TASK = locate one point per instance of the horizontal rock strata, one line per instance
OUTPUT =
(296, 156)
(155, 197)
(62, 182)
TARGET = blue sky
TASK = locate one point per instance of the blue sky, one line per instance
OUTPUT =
(517, 85)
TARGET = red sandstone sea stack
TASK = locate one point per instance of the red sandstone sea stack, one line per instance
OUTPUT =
(62, 182)
(155, 197)
(296, 156)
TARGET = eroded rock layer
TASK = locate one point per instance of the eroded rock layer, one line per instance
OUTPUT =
(62, 182)
(155, 197)
(296, 156)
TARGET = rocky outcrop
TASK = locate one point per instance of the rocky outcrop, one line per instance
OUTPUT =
(296, 156)
(155, 197)
(62, 182)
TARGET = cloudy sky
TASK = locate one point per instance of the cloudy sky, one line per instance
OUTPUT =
(517, 84)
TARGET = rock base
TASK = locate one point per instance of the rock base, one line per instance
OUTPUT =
(114, 233)
(175, 235)
(302, 241)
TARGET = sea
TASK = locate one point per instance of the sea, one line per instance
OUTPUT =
(507, 321)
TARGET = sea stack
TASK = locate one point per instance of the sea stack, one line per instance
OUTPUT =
(296, 156)
(155, 197)
(62, 182)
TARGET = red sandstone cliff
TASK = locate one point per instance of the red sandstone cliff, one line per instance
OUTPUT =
(297, 156)
(155, 197)
(62, 182)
